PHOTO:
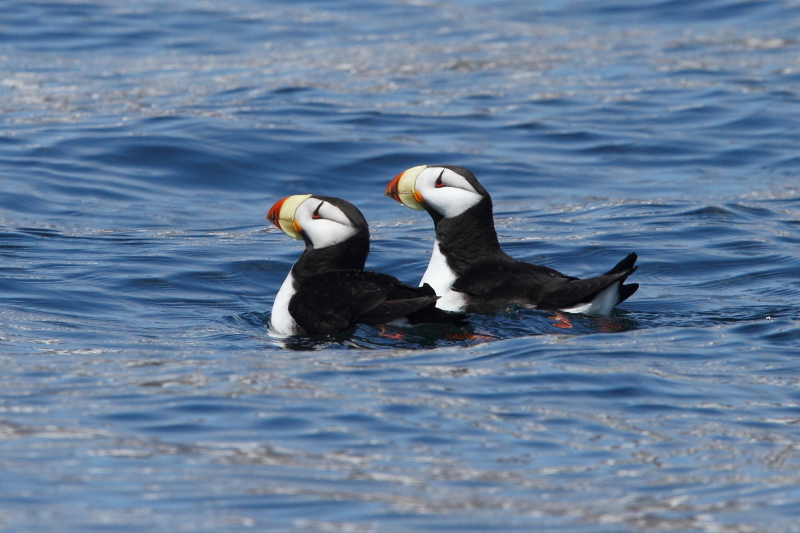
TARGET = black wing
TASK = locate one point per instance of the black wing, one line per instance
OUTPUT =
(335, 301)
(493, 284)
(496, 283)
(580, 291)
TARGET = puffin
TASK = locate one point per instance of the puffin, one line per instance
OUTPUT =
(327, 290)
(469, 270)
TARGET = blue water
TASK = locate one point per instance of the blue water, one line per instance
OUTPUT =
(142, 143)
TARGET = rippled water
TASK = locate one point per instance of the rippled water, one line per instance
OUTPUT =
(141, 145)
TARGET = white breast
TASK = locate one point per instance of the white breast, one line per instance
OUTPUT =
(280, 320)
(602, 304)
(441, 278)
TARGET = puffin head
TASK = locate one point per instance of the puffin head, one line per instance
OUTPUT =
(320, 221)
(447, 190)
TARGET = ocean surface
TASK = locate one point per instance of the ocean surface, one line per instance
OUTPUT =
(142, 143)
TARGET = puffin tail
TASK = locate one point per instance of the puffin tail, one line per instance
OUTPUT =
(626, 267)
(626, 291)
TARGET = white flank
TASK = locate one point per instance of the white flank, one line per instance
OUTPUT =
(280, 320)
(602, 304)
(441, 278)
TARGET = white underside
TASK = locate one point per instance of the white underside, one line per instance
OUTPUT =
(280, 320)
(602, 304)
(439, 276)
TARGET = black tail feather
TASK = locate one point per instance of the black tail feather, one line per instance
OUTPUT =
(626, 264)
(626, 291)
(627, 267)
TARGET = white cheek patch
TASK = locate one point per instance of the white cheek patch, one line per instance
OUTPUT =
(329, 212)
(324, 233)
(450, 201)
(332, 226)
(453, 197)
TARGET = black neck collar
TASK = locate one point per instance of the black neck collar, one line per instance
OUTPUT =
(468, 238)
(348, 255)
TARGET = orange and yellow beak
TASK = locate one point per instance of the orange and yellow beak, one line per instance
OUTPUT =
(402, 189)
(282, 215)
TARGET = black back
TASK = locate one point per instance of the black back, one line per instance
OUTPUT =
(335, 293)
(491, 278)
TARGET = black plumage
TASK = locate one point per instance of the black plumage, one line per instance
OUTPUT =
(334, 293)
(490, 278)
(338, 300)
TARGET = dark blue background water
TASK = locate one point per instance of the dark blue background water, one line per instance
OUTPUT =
(141, 144)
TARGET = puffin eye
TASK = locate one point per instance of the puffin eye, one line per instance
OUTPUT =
(316, 215)
(439, 181)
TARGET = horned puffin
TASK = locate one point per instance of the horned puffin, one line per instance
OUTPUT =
(327, 289)
(470, 271)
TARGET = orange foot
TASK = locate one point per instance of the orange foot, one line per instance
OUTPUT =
(561, 321)
(394, 336)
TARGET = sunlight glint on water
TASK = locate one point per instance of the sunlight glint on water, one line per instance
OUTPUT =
(142, 144)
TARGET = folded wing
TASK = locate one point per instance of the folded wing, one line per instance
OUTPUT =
(334, 301)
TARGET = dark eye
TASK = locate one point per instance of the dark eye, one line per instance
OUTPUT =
(439, 181)
(315, 215)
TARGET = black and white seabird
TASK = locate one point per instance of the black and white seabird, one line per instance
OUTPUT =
(470, 271)
(328, 290)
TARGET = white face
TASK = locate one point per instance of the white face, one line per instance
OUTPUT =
(323, 223)
(446, 191)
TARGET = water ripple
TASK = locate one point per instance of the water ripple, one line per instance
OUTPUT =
(141, 145)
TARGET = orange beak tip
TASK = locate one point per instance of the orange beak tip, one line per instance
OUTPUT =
(403, 188)
(282, 215)
(391, 189)
(275, 211)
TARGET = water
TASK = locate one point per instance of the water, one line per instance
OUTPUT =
(141, 145)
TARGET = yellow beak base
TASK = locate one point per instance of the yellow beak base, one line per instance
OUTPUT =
(282, 215)
(401, 188)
